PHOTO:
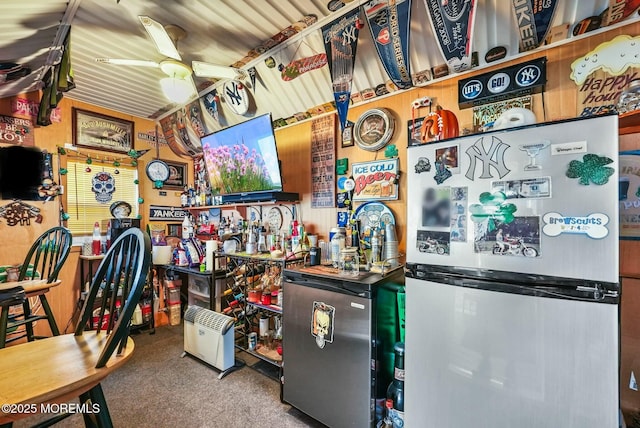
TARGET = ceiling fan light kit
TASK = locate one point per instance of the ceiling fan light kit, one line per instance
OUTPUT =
(179, 86)
(177, 90)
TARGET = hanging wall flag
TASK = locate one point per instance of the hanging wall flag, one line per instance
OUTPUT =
(534, 21)
(211, 104)
(389, 24)
(340, 42)
(453, 24)
(195, 118)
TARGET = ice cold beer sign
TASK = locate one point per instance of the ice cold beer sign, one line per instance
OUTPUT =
(376, 180)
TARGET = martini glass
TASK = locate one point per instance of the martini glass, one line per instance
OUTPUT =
(533, 150)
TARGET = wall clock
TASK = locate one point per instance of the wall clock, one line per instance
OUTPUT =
(274, 219)
(374, 129)
(158, 170)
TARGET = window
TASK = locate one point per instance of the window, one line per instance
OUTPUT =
(83, 206)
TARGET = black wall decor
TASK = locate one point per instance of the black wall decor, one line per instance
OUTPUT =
(499, 85)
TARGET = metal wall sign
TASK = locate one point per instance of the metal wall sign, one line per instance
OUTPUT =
(499, 85)
(162, 213)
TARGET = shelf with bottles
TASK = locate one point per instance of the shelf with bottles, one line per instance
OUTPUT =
(252, 295)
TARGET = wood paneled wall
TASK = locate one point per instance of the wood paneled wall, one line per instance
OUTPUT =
(16, 240)
(559, 101)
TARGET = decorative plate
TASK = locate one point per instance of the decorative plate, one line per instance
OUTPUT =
(371, 214)
(120, 209)
(374, 129)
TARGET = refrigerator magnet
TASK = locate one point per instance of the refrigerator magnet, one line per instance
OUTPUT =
(322, 322)
(423, 165)
(591, 169)
(593, 225)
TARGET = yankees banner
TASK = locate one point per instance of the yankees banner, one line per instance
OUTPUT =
(534, 21)
(389, 22)
(453, 25)
(340, 42)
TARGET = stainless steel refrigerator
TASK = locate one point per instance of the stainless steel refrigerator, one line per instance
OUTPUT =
(512, 284)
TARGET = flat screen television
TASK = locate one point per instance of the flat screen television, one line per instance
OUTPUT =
(243, 158)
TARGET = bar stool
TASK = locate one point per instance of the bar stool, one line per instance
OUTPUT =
(43, 261)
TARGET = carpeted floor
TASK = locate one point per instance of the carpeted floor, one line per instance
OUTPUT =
(158, 388)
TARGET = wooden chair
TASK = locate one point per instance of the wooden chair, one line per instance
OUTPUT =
(59, 368)
(44, 260)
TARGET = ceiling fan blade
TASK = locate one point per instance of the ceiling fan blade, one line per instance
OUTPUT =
(205, 69)
(164, 43)
(123, 61)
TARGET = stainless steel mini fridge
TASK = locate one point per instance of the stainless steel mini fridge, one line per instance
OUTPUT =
(329, 326)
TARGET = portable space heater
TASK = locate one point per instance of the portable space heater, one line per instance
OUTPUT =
(209, 336)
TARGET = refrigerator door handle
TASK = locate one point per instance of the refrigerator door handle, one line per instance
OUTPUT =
(599, 291)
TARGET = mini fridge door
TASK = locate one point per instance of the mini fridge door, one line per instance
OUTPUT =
(327, 354)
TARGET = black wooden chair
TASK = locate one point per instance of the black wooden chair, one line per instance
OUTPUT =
(43, 261)
(73, 365)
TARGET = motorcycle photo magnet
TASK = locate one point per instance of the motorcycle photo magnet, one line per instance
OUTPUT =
(519, 238)
(431, 241)
(322, 323)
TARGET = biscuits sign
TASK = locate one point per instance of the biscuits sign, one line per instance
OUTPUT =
(593, 225)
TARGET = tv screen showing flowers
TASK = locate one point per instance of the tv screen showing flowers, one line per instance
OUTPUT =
(243, 158)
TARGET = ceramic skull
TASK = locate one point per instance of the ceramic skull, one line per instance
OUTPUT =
(103, 185)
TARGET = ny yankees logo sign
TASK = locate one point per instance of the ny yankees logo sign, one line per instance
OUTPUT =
(494, 157)
(236, 96)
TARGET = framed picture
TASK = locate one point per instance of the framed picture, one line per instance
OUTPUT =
(177, 176)
(97, 131)
(347, 136)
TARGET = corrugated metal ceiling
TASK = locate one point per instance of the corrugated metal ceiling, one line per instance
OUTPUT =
(222, 32)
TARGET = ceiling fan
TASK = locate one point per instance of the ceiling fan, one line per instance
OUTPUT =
(180, 74)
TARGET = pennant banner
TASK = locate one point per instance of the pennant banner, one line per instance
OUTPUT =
(453, 25)
(534, 21)
(389, 23)
(340, 42)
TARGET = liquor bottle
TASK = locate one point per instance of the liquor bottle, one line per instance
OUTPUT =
(96, 242)
(395, 392)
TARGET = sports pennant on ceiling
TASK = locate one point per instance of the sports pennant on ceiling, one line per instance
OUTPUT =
(534, 21)
(453, 24)
(340, 42)
(389, 23)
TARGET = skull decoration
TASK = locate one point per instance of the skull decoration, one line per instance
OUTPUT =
(103, 185)
(322, 327)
